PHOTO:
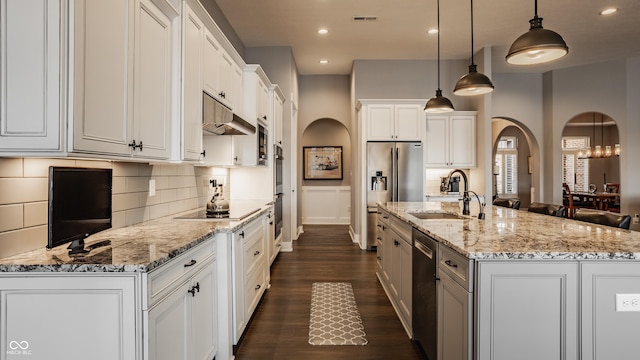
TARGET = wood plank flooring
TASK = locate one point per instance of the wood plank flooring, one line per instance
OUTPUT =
(280, 326)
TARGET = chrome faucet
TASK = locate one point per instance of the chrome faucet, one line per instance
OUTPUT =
(466, 199)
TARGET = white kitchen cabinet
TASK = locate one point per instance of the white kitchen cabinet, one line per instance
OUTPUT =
(250, 267)
(211, 66)
(230, 82)
(520, 303)
(262, 103)
(394, 121)
(192, 44)
(455, 305)
(396, 277)
(273, 247)
(57, 316)
(32, 75)
(182, 315)
(278, 114)
(123, 79)
(450, 140)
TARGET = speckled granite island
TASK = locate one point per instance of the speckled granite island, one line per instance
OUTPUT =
(171, 287)
(525, 285)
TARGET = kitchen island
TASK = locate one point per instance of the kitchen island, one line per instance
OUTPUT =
(166, 288)
(529, 286)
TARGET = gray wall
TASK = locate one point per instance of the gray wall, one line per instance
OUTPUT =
(216, 14)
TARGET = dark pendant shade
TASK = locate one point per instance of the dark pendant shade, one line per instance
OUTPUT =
(537, 46)
(438, 104)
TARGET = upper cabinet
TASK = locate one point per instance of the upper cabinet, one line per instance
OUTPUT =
(123, 79)
(393, 120)
(450, 140)
(193, 39)
(32, 75)
(278, 114)
(222, 77)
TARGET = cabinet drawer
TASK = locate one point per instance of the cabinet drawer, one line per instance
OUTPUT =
(383, 217)
(253, 255)
(163, 280)
(254, 288)
(457, 267)
(401, 228)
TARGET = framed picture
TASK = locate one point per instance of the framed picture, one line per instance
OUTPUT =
(322, 162)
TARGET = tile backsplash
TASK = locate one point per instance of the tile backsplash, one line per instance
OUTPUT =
(24, 195)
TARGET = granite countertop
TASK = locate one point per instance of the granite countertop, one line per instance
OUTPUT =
(518, 234)
(136, 248)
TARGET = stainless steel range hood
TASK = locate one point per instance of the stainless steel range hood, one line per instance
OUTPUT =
(219, 119)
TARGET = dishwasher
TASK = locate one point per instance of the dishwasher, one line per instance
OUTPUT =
(424, 300)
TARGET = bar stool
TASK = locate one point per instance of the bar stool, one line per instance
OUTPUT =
(513, 203)
(601, 217)
(547, 209)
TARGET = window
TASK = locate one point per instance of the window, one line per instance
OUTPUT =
(507, 163)
(575, 171)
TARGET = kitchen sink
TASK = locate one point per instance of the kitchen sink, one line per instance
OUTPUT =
(435, 215)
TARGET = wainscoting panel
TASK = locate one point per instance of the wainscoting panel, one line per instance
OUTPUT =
(326, 205)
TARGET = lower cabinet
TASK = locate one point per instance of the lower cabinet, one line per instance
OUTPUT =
(57, 316)
(182, 325)
(396, 272)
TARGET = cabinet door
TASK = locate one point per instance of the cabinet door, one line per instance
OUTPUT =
(409, 121)
(462, 141)
(211, 65)
(239, 320)
(236, 100)
(263, 101)
(103, 61)
(406, 279)
(204, 333)
(454, 320)
(152, 102)
(68, 317)
(226, 78)
(278, 119)
(387, 253)
(193, 36)
(30, 117)
(168, 326)
(436, 149)
(380, 124)
(520, 303)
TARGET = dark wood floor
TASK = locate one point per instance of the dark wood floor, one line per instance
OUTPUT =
(280, 327)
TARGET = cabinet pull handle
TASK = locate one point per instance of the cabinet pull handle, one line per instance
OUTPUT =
(256, 253)
(192, 291)
(258, 287)
(222, 94)
(270, 222)
(190, 263)
(449, 263)
(242, 234)
(204, 153)
(197, 286)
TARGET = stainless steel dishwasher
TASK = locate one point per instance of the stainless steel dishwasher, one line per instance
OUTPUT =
(425, 310)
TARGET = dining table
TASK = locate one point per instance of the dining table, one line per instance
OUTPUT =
(599, 199)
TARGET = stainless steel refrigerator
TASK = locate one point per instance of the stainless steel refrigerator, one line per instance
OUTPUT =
(394, 173)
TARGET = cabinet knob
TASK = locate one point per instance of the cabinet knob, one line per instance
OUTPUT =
(265, 117)
(204, 153)
(242, 234)
(258, 287)
(256, 253)
(192, 291)
(222, 94)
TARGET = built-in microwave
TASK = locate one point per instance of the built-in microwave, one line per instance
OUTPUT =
(263, 140)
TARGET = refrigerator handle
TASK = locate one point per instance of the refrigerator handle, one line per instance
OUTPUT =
(396, 180)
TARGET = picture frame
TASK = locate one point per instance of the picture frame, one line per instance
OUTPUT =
(322, 162)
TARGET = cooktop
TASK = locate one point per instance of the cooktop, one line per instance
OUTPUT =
(234, 214)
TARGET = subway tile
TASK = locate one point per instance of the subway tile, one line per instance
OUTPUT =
(23, 240)
(137, 184)
(125, 201)
(145, 170)
(119, 185)
(39, 167)
(118, 219)
(147, 200)
(11, 217)
(11, 167)
(162, 182)
(158, 211)
(136, 216)
(36, 213)
(21, 190)
(169, 195)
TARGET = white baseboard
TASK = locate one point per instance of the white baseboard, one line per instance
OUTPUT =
(286, 246)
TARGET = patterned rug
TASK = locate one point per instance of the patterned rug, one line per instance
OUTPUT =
(335, 319)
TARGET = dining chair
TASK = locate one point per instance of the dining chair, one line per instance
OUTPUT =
(572, 202)
(602, 217)
(513, 203)
(612, 204)
(547, 209)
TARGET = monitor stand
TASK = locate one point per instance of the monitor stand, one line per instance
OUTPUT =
(77, 247)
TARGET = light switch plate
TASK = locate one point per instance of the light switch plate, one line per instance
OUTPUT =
(152, 187)
(627, 302)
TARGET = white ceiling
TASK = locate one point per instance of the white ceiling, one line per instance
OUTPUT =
(400, 31)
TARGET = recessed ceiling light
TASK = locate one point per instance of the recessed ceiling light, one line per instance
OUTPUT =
(324, 61)
(432, 31)
(323, 31)
(609, 11)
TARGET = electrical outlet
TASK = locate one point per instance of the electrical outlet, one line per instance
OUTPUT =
(152, 187)
(627, 302)
(212, 183)
(636, 219)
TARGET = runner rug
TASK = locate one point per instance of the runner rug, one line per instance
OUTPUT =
(335, 319)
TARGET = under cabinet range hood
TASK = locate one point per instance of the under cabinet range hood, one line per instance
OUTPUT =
(219, 119)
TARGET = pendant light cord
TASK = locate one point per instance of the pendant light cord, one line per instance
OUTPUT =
(438, 44)
(593, 123)
(472, 62)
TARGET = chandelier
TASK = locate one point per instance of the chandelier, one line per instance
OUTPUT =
(597, 152)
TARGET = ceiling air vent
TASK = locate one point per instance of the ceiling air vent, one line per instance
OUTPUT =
(365, 18)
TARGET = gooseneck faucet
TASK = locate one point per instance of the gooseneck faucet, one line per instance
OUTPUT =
(466, 199)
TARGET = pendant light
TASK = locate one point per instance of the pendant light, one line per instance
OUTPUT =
(473, 83)
(538, 45)
(438, 103)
